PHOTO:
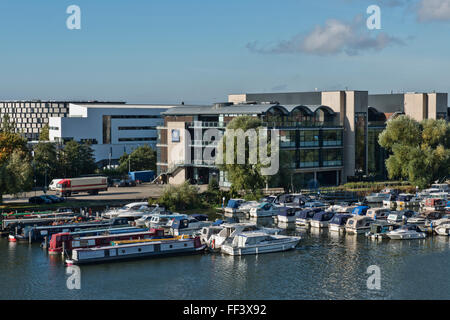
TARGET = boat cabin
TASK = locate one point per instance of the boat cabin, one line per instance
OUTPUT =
(357, 222)
(323, 216)
(287, 212)
(378, 213)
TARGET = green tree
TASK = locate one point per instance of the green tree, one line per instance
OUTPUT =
(182, 197)
(420, 152)
(243, 177)
(77, 159)
(284, 178)
(44, 135)
(142, 158)
(45, 163)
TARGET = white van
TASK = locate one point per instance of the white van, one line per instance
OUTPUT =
(52, 185)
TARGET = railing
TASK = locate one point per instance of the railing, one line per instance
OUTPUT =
(206, 124)
(305, 124)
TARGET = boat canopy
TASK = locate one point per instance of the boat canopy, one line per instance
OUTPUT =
(234, 203)
(360, 210)
(286, 211)
(264, 205)
(306, 214)
(323, 216)
(340, 219)
(199, 217)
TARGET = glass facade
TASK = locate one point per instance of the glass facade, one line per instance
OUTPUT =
(309, 158)
(360, 142)
(309, 138)
(376, 154)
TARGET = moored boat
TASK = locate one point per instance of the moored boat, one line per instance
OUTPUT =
(337, 223)
(258, 242)
(321, 219)
(358, 224)
(136, 251)
(406, 232)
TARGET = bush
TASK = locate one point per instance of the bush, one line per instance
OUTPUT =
(183, 197)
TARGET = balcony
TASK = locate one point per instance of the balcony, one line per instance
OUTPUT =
(305, 124)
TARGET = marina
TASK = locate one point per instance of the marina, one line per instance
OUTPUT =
(282, 233)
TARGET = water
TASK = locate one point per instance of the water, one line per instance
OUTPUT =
(323, 267)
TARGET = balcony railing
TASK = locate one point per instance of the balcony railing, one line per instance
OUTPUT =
(206, 124)
(304, 124)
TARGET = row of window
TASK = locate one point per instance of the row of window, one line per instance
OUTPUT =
(316, 158)
(137, 139)
(310, 138)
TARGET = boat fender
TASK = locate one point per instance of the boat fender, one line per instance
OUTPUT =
(213, 244)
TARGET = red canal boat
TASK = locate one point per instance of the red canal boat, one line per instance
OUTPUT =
(70, 242)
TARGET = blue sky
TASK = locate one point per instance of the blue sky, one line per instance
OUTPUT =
(152, 51)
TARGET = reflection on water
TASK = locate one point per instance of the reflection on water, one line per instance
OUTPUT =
(324, 266)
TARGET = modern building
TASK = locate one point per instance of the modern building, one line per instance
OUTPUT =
(111, 129)
(29, 116)
(332, 135)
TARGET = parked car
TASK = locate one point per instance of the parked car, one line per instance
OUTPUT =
(40, 200)
(124, 183)
(55, 199)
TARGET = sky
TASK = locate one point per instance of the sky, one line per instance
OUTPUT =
(198, 51)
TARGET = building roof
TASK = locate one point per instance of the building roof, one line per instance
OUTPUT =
(127, 106)
(242, 109)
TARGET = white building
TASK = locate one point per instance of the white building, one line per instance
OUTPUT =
(112, 129)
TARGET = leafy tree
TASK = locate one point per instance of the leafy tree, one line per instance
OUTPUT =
(45, 163)
(44, 135)
(77, 159)
(243, 177)
(182, 197)
(142, 158)
(420, 152)
(284, 178)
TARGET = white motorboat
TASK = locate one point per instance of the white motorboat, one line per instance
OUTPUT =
(443, 229)
(305, 216)
(188, 226)
(337, 224)
(287, 215)
(230, 230)
(247, 206)
(377, 197)
(207, 232)
(321, 219)
(259, 242)
(138, 207)
(358, 225)
(265, 209)
(163, 220)
(378, 213)
(406, 232)
(233, 205)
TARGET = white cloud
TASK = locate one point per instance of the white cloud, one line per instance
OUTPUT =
(333, 38)
(430, 10)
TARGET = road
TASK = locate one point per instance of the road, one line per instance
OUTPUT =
(138, 193)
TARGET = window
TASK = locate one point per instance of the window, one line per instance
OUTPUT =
(332, 137)
(309, 138)
(287, 139)
(309, 158)
(331, 157)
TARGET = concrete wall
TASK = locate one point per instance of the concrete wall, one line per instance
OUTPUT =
(306, 98)
(416, 105)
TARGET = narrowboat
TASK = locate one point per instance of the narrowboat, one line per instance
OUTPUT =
(321, 219)
(136, 251)
(38, 233)
(358, 224)
(378, 213)
(259, 242)
(60, 240)
(337, 223)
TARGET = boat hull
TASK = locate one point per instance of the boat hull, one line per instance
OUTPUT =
(259, 249)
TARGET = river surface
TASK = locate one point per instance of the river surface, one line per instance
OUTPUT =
(325, 266)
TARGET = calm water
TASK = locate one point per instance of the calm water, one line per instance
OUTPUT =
(323, 267)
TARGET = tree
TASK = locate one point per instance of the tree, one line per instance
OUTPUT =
(77, 159)
(45, 162)
(420, 152)
(142, 158)
(44, 135)
(284, 178)
(182, 197)
(247, 176)
(15, 168)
